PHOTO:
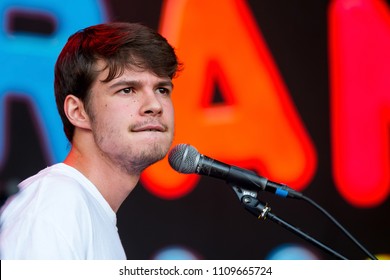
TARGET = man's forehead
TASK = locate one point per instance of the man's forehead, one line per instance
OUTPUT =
(128, 70)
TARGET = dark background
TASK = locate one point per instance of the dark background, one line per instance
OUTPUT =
(210, 220)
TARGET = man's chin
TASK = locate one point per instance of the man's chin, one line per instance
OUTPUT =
(150, 155)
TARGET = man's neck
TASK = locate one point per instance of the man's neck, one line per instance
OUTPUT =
(112, 182)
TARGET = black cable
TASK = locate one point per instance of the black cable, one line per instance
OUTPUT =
(261, 210)
(349, 235)
(305, 236)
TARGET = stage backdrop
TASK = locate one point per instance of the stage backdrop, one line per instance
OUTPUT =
(297, 91)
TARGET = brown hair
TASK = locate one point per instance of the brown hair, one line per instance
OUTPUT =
(120, 45)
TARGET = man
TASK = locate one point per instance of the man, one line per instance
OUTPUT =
(113, 85)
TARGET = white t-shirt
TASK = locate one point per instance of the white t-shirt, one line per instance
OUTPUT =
(59, 214)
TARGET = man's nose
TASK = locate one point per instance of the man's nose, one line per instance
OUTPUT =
(151, 105)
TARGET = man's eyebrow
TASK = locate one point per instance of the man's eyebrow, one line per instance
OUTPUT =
(136, 83)
(125, 83)
(166, 83)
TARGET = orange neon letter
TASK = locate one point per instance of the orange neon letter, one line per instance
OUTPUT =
(360, 99)
(256, 125)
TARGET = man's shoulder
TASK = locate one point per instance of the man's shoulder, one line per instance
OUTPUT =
(52, 191)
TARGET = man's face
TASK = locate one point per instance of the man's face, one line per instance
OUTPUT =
(132, 118)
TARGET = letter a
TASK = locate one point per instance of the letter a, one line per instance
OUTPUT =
(256, 126)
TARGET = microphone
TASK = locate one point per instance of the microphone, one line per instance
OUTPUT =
(186, 159)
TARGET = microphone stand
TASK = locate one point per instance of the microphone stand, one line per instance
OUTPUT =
(249, 200)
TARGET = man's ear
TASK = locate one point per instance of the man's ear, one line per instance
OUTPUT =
(75, 111)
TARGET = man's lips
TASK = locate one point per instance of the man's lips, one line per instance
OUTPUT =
(149, 127)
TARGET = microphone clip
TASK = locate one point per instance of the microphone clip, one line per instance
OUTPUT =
(251, 203)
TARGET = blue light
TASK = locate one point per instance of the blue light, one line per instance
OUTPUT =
(175, 253)
(291, 252)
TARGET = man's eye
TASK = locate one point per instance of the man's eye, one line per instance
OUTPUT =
(126, 90)
(164, 91)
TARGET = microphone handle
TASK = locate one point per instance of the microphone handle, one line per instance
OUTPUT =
(231, 174)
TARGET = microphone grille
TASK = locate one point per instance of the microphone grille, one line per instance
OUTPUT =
(184, 158)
